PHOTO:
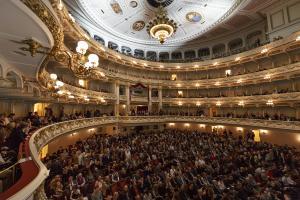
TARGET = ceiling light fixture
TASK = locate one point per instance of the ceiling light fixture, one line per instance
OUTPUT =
(264, 51)
(53, 77)
(82, 65)
(241, 103)
(270, 103)
(161, 27)
(267, 76)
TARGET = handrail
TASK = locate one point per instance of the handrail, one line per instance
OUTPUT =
(44, 135)
(277, 73)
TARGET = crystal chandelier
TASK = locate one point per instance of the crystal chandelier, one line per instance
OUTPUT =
(161, 27)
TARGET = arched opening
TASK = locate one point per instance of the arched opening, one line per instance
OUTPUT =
(139, 53)
(218, 50)
(254, 39)
(235, 46)
(126, 50)
(15, 79)
(36, 92)
(164, 56)
(190, 54)
(203, 52)
(176, 56)
(151, 55)
(113, 46)
(99, 39)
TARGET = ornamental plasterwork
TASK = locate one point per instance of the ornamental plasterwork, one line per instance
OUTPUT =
(138, 25)
(46, 134)
(90, 93)
(76, 32)
(295, 96)
(116, 7)
(47, 17)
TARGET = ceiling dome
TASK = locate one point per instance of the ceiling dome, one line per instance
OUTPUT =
(126, 21)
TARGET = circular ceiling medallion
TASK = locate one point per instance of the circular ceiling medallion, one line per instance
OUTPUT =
(193, 17)
(138, 25)
(133, 4)
(157, 3)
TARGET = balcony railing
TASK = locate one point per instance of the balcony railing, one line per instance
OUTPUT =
(278, 73)
(282, 97)
(43, 136)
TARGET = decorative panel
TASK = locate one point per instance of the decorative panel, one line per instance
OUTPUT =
(293, 12)
(277, 19)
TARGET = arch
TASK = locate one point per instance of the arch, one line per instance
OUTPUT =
(177, 55)
(139, 53)
(151, 55)
(235, 44)
(203, 52)
(164, 56)
(113, 46)
(27, 88)
(16, 78)
(254, 39)
(126, 50)
(99, 39)
(36, 92)
(219, 48)
(190, 54)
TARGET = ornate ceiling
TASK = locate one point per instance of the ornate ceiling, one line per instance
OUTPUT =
(127, 19)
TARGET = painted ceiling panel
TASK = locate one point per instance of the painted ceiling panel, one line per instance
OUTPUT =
(128, 19)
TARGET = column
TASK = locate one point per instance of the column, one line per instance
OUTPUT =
(210, 53)
(226, 48)
(160, 99)
(127, 93)
(293, 86)
(117, 93)
(12, 107)
(149, 99)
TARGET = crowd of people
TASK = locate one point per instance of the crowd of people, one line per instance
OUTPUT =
(13, 131)
(175, 165)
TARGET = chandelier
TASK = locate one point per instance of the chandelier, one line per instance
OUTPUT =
(161, 27)
(81, 64)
